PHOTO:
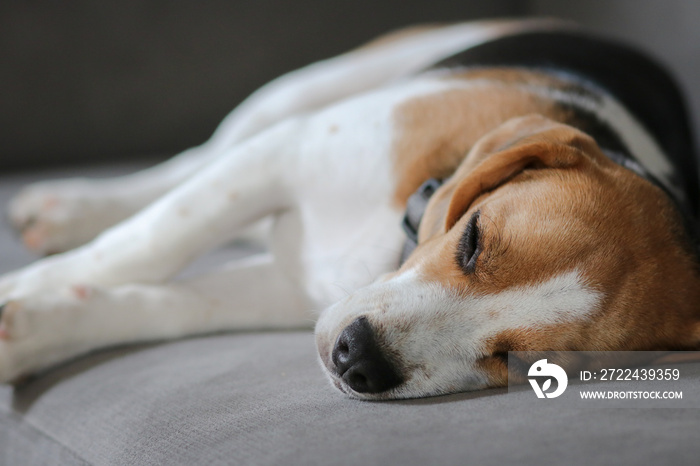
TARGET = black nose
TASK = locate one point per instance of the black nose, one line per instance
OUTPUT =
(360, 362)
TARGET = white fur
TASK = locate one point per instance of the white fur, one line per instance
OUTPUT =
(440, 334)
(55, 325)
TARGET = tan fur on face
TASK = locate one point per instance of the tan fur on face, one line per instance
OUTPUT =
(437, 131)
(621, 233)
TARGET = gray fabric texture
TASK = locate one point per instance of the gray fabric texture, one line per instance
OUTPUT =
(261, 398)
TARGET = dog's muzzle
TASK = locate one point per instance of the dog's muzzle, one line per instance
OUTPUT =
(360, 362)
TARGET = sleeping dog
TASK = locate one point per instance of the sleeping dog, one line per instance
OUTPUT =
(446, 194)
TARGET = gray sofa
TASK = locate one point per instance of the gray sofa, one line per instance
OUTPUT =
(261, 398)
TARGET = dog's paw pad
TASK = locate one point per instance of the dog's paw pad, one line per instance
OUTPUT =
(41, 329)
(28, 205)
(50, 203)
(82, 292)
(56, 216)
(34, 237)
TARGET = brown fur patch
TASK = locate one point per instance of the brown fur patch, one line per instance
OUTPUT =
(436, 132)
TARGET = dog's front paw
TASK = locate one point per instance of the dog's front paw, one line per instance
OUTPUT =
(41, 275)
(40, 331)
(57, 216)
(52, 273)
(20, 352)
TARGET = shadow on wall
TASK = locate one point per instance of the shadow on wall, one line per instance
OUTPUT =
(103, 81)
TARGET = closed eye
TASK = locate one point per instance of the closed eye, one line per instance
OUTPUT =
(470, 245)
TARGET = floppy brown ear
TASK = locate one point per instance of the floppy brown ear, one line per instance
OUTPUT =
(527, 142)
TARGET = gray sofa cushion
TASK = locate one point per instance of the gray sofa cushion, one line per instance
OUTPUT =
(261, 398)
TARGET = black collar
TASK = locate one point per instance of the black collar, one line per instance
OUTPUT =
(415, 208)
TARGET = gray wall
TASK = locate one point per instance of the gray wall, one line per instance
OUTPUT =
(90, 80)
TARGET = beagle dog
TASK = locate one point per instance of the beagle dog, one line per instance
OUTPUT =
(545, 180)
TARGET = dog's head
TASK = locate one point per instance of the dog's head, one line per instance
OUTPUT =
(538, 242)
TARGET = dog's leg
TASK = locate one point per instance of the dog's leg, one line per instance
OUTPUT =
(334, 167)
(325, 177)
(250, 182)
(59, 215)
(46, 329)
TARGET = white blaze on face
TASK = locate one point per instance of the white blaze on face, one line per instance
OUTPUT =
(438, 335)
